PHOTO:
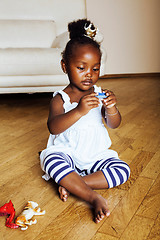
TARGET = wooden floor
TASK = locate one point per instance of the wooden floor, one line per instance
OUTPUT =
(134, 206)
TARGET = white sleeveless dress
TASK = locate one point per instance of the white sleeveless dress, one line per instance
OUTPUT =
(86, 141)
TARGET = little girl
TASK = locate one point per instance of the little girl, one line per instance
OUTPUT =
(77, 156)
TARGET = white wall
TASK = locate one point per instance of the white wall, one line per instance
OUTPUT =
(131, 30)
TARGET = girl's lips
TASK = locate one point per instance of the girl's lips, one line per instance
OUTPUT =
(87, 82)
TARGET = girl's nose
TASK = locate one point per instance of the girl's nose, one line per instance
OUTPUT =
(89, 73)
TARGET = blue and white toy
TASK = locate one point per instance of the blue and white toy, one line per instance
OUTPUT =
(101, 95)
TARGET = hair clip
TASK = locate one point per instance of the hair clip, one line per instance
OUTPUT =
(89, 31)
(94, 34)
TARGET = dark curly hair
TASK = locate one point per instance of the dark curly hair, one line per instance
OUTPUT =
(77, 34)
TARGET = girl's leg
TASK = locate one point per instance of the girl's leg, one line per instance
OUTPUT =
(107, 174)
(60, 167)
(83, 191)
(96, 180)
(104, 174)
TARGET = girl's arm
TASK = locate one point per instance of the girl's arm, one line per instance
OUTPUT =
(110, 113)
(59, 121)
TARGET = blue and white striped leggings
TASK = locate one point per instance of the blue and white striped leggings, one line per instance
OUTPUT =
(58, 165)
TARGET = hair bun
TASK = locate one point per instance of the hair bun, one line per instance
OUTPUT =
(81, 32)
(78, 28)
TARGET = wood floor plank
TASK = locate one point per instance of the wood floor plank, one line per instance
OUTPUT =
(101, 236)
(155, 231)
(153, 167)
(64, 223)
(125, 210)
(12, 171)
(137, 165)
(150, 206)
(128, 155)
(143, 142)
(1, 235)
(138, 229)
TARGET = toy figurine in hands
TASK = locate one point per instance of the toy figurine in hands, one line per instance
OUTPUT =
(109, 110)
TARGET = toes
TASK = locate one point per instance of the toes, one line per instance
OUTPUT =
(64, 198)
(101, 214)
(63, 193)
(107, 213)
(99, 217)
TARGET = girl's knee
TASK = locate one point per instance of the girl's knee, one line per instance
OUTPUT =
(117, 173)
(58, 165)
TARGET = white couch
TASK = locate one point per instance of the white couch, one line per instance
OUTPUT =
(33, 33)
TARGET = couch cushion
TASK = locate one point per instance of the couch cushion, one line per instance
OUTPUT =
(30, 61)
(32, 81)
(60, 11)
(27, 34)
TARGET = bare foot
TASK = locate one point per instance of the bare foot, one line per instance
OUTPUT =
(100, 208)
(63, 193)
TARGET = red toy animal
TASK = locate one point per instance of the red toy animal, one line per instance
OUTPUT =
(8, 209)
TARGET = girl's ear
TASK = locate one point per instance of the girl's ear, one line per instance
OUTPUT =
(63, 66)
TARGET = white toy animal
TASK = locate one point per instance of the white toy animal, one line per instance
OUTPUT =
(25, 218)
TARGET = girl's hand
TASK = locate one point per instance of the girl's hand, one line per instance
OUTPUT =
(111, 100)
(87, 102)
(110, 113)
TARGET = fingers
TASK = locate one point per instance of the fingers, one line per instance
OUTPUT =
(92, 97)
(111, 100)
(87, 103)
(91, 100)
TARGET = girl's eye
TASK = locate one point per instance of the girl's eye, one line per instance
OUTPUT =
(95, 69)
(80, 68)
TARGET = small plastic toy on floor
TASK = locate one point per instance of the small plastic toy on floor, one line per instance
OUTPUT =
(25, 218)
(8, 209)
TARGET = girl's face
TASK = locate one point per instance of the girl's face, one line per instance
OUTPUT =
(84, 67)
